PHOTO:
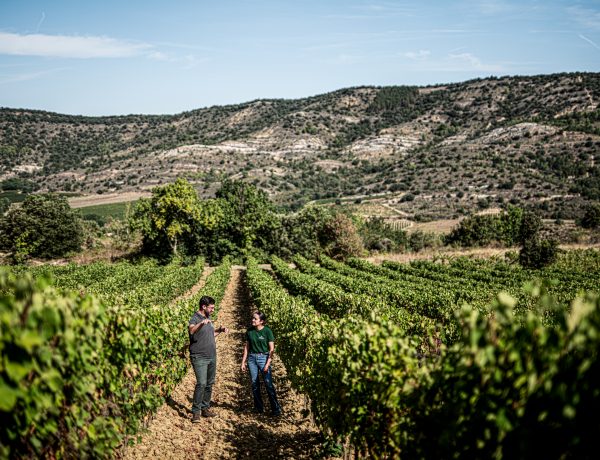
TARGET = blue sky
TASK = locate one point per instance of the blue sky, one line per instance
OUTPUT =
(164, 57)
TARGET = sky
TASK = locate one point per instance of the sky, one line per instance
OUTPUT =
(165, 57)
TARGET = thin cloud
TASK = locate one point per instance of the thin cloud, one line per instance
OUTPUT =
(587, 18)
(417, 55)
(374, 11)
(189, 61)
(584, 38)
(386, 8)
(493, 7)
(345, 59)
(64, 46)
(473, 62)
(28, 76)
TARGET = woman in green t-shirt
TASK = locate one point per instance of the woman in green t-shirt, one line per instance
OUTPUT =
(258, 354)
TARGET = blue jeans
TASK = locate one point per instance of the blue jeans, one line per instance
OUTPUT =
(256, 364)
(205, 370)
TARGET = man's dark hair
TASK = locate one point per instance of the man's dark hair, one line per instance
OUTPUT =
(206, 300)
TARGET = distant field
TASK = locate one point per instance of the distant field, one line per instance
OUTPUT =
(437, 226)
(13, 196)
(115, 210)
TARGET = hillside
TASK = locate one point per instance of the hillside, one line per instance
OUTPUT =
(423, 152)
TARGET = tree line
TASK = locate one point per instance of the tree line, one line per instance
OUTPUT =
(241, 220)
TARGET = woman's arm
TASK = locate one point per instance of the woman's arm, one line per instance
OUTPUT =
(245, 357)
(271, 350)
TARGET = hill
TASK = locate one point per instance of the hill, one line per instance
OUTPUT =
(423, 152)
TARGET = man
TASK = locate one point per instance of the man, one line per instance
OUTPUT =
(203, 353)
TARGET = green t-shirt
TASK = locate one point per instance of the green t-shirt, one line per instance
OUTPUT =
(259, 340)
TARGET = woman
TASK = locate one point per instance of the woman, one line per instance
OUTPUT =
(258, 354)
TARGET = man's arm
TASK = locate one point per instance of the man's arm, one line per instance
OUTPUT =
(221, 329)
(193, 328)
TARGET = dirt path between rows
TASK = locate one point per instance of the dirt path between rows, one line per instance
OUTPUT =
(236, 432)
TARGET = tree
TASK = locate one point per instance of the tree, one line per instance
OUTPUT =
(299, 232)
(536, 253)
(531, 224)
(4, 205)
(591, 218)
(510, 225)
(169, 219)
(43, 226)
(475, 230)
(381, 236)
(248, 213)
(339, 237)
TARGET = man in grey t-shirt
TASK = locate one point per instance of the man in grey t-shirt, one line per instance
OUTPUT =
(203, 354)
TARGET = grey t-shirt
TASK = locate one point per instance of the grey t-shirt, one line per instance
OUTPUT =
(202, 343)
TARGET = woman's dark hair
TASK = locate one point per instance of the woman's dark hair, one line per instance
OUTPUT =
(206, 300)
(261, 316)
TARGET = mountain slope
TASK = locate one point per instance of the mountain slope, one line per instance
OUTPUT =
(431, 151)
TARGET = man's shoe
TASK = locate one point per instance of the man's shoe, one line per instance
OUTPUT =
(197, 417)
(208, 413)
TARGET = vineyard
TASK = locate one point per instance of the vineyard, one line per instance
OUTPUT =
(431, 359)
(89, 352)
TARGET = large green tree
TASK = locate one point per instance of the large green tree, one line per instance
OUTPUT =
(171, 217)
(43, 226)
(249, 214)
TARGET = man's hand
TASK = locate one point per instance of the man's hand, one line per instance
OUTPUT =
(244, 366)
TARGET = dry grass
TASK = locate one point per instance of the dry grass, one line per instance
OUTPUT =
(93, 200)
(436, 226)
(482, 253)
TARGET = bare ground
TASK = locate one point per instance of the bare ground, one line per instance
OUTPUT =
(236, 432)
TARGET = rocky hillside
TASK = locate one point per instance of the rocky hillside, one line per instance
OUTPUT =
(424, 152)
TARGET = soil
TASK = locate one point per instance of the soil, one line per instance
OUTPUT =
(235, 432)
